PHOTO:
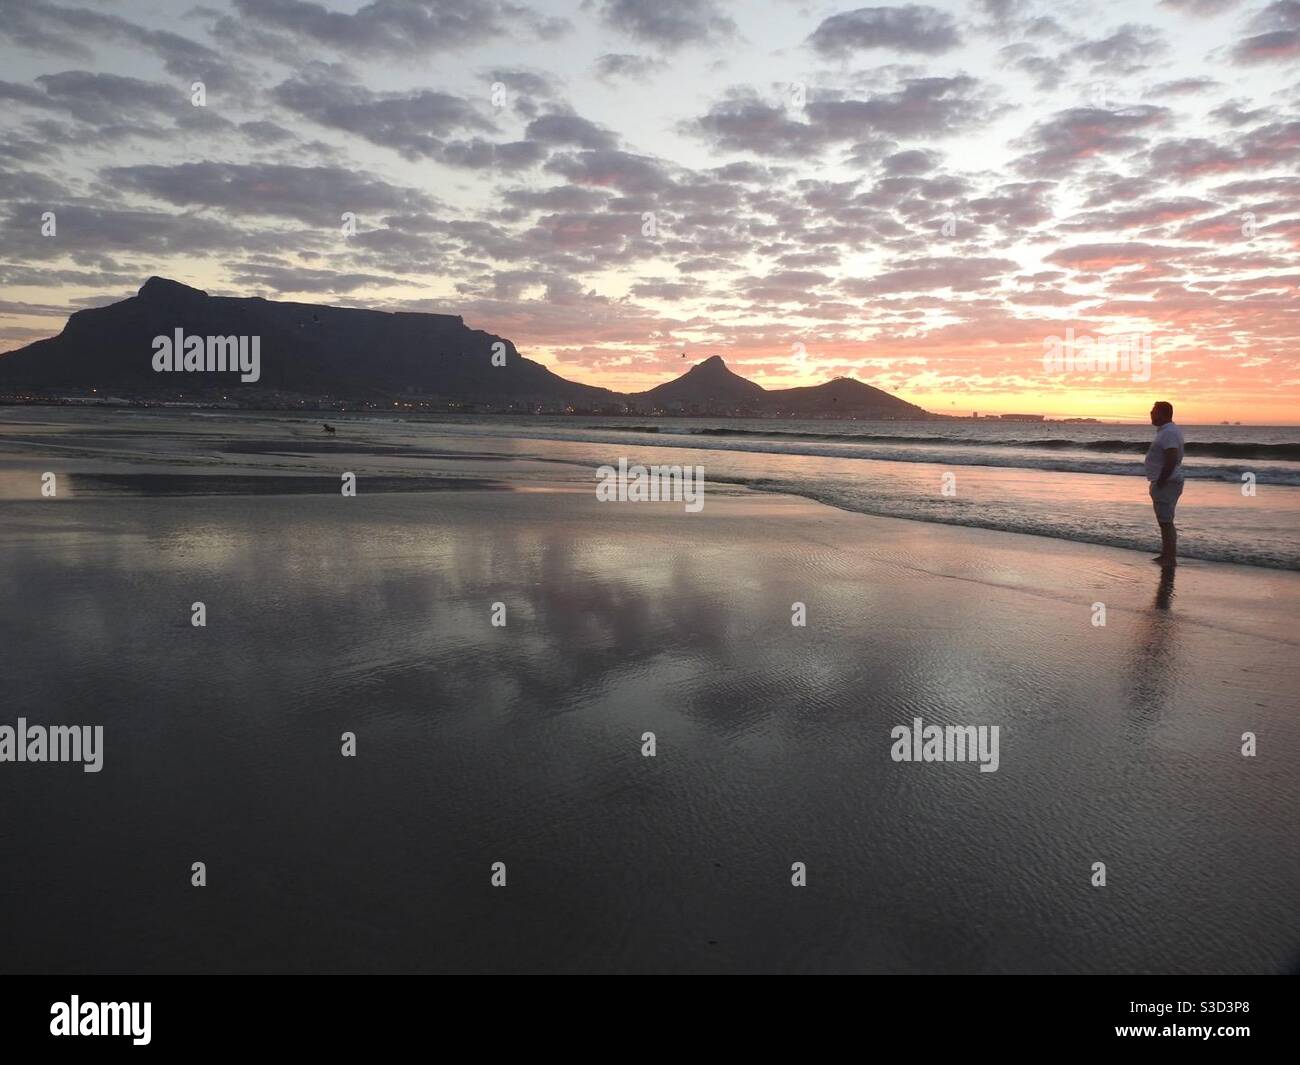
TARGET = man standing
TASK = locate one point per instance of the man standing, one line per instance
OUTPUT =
(1164, 469)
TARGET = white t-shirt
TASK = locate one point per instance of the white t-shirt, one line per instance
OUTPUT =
(1168, 435)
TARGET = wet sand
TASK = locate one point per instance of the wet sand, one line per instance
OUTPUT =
(522, 744)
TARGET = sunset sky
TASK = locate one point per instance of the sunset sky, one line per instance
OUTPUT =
(919, 196)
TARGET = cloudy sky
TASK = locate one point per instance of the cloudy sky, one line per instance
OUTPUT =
(918, 195)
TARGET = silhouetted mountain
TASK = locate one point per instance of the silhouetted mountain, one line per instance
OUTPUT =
(355, 355)
(709, 383)
(305, 349)
(841, 396)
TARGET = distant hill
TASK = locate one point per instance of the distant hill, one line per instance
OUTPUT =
(709, 383)
(843, 396)
(305, 349)
(363, 356)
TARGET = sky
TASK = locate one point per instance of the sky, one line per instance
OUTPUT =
(921, 196)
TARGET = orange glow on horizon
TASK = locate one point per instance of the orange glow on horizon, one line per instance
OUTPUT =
(1108, 401)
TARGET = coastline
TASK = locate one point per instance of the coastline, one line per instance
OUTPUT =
(967, 486)
(1120, 744)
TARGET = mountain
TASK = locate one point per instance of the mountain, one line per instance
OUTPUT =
(843, 396)
(709, 383)
(362, 356)
(304, 349)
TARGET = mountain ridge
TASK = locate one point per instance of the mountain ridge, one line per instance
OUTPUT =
(361, 355)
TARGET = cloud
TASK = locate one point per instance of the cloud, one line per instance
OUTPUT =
(747, 124)
(107, 109)
(613, 169)
(1200, 8)
(1112, 256)
(1075, 136)
(527, 86)
(556, 198)
(663, 289)
(1012, 207)
(1003, 12)
(922, 274)
(404, 28)
(100, 99)
(290, 278)
(1129, 50)
(1181, 87)
(264, 132)
(614, 65)
(569, 129)
(479, 154)
(316, 195)
(91, 230)
(413, 123)
(916, 161)
(40, 26)
(24, 185)
(1047, 72)
(910, 28)
(24, 276)
(669, 24)
(1277, 38)
(1146, 215)
(783, 286)
(922, 107)
(1265, 147)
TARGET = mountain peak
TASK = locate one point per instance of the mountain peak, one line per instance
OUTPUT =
(157, 287)
(713, 366)
(707, 382)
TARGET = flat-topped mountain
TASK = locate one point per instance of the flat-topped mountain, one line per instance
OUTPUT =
(345, 354)
(304, 348)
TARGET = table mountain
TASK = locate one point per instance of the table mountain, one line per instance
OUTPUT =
(305, 349)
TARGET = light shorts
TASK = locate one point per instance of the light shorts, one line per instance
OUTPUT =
(1165, 497)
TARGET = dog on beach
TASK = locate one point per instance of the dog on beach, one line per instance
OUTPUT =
(328, 428)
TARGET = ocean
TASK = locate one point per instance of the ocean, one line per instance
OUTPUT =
(1073, 481)
(1079, 482)
(327, 616)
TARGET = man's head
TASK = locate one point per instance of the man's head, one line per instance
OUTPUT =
(1162, 412)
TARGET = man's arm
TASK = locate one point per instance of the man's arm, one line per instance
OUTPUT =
(1171, 460)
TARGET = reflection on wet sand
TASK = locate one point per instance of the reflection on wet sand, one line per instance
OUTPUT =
(1165, 587)
(523, 742)
(1153, 661)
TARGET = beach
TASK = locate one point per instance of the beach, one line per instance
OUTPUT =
(522, 743)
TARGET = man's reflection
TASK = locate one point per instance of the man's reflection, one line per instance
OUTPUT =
(1151, 662)
(1165, 590)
